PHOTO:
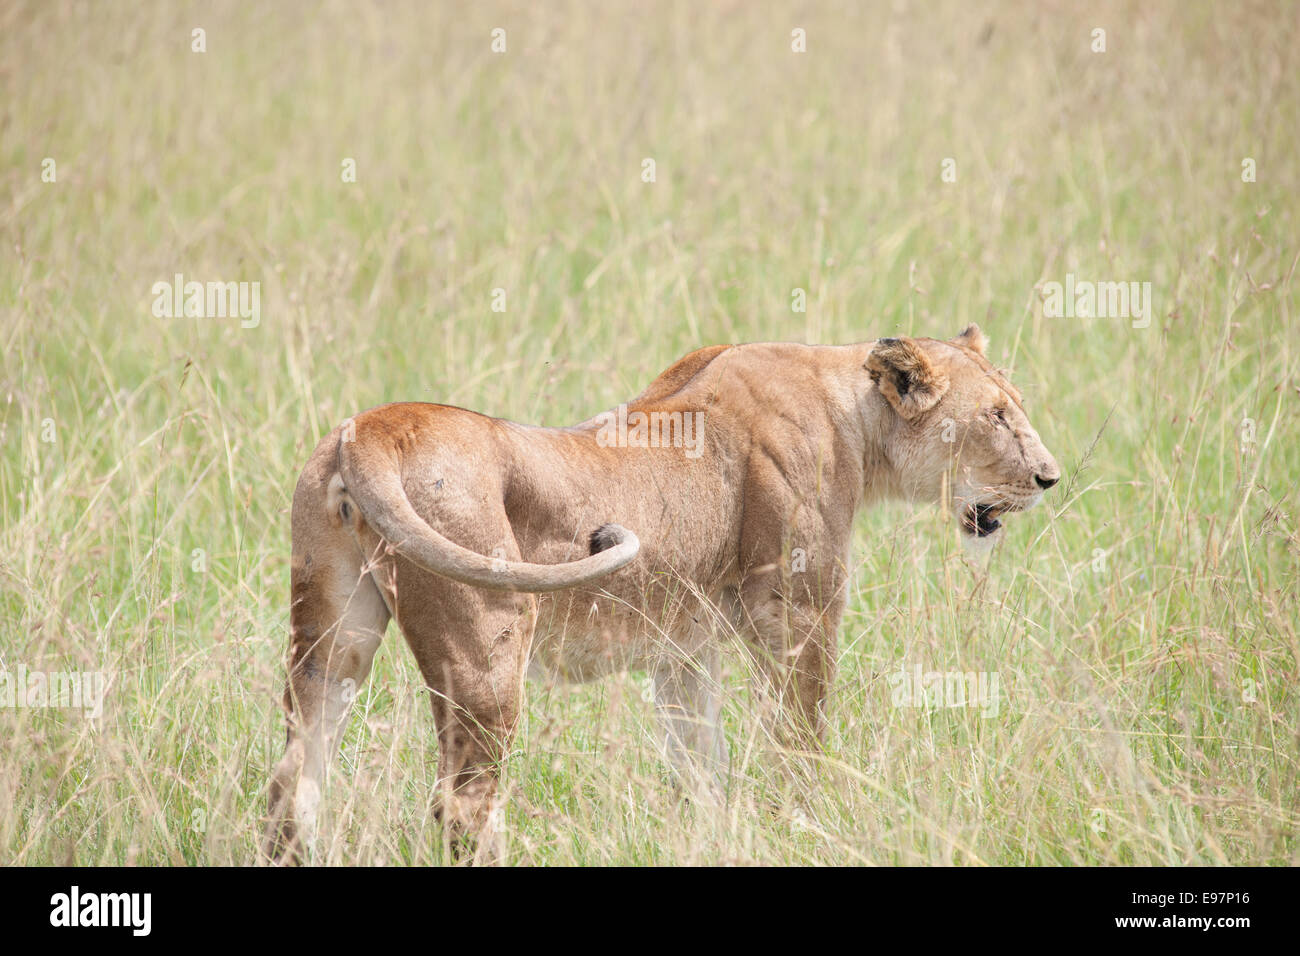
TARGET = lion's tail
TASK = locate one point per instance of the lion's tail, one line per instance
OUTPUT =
(376, 488)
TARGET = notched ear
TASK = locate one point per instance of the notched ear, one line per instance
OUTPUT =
(973, 339)
(905, 376)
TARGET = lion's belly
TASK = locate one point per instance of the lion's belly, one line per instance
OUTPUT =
(584, 636)
(577, 657)
(584, 641)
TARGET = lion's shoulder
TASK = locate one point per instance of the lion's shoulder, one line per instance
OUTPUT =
(678, 375)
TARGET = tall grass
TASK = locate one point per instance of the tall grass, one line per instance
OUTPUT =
(1142, 625)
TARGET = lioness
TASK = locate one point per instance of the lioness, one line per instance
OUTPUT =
(491, 544)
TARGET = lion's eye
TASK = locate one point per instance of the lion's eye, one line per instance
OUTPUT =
(999, 416)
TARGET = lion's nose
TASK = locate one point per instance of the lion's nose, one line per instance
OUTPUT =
(1046, 481)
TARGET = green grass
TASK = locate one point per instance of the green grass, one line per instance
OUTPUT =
(1124, 619)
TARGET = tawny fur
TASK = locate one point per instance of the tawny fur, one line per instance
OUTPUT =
(795, 440)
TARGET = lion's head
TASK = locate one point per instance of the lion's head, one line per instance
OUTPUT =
(959, 435)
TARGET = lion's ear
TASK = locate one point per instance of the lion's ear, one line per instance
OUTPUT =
(905, 376)
(973, 339)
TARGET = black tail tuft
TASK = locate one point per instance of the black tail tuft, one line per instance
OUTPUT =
(605, 537)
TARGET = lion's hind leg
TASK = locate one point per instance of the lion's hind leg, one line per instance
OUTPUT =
(337, 622)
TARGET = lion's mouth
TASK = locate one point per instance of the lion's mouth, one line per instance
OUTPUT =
(981, 520)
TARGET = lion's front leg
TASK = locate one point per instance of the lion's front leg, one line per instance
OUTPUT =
(688, 702)
(794, 643)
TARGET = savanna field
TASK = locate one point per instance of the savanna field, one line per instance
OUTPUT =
(429, 219)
